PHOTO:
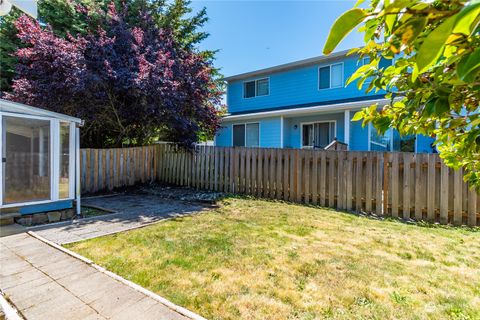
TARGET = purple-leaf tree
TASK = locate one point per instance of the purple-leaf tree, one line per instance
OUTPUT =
(131, 84)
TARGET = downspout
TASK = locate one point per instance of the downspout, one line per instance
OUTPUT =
(77, 169)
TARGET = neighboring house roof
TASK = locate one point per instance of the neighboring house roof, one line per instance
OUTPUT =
(287, 66)
(292, 110)
(15, 107)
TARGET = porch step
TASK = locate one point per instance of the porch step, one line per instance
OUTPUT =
(8, 218)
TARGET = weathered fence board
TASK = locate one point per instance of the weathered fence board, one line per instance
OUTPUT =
(406, 185)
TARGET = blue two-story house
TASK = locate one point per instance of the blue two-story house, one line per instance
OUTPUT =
(305, 104)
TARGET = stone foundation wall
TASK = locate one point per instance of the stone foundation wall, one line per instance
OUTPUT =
(45, 217)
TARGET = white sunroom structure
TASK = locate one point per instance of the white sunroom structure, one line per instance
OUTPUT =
(40, 159)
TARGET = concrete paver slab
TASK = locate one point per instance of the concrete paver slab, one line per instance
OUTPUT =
(50, 284)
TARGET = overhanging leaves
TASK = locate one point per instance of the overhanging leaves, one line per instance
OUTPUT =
(434, 44)
(343, 26)
(469, 66)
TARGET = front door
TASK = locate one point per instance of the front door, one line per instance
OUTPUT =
(26, 159)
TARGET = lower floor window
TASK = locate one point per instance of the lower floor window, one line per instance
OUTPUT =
(380, 142)
(317, 135)
(391, 140)
(246, 135)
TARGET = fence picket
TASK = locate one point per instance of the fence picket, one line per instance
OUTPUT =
(369, 181)
(314, 177)
(419, 188)
(379, 184)
(472, 207)
(444, 182)
(286, 175)
(457, 197)
(406, 185)
(323, 177)
(358, 181)
(395, 184)
(306, 176)
(331, 178)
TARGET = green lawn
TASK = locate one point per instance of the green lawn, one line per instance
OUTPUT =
(253, 259)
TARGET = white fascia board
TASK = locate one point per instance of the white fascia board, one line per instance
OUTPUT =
(14, 107)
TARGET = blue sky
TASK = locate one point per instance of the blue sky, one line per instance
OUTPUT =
(258, 34)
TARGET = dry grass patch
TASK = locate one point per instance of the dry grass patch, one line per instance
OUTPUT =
(253, 259)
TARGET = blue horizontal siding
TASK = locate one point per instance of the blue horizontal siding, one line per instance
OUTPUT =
(223, 137)
(294, 87)
(424, 144)
(44, 207)
(270, 132)
(358, 135)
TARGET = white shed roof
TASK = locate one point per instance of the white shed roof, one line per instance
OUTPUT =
(14, 107)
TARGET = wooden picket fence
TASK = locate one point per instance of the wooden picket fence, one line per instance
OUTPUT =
(404, 185)
(107, 169)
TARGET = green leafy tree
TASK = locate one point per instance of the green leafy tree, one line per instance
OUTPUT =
(83, 16)
(434, 81)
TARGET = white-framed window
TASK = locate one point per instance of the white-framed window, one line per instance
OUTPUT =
(246, 135)
(380, 142)
(391, 140)
(330, 76)
(256, 88)
(318, 134)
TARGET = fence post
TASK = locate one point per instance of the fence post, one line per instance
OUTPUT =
(443, 193)
(386, 160)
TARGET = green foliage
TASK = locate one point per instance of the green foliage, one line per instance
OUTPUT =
(342, 26)
(8, 44)
(434, 81)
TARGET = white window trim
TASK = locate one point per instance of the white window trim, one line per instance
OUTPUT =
(314, 122)
(282, 120)
(330, 84)
(346, 129)
(54, 160)
(256, 80)
(1, 157)
(376, 143)
(367, 81)
(71, 161)
(245, 125)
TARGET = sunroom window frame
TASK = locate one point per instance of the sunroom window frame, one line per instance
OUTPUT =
(54, 168)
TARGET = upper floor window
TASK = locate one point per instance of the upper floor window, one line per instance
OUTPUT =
(255, 88)
(330, 76)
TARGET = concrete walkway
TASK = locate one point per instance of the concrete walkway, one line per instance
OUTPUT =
(134, 210)
(46, 283)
